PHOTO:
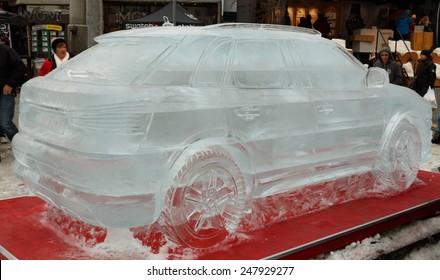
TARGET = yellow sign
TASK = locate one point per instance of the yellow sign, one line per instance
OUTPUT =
(47, 27)
(54, 27)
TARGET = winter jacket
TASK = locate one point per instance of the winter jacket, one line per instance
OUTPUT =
(425, 74)
(12, 68)
(393, 69)
(49, 64)
(403, 23)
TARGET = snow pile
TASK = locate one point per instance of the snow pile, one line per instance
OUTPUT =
(392, 240)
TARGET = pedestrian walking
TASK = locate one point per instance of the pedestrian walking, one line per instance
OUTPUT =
(12, 75)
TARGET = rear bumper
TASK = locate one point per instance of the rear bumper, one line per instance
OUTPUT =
(109, 191)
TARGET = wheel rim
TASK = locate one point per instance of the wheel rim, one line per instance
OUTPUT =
(405, 157)
(209, 202)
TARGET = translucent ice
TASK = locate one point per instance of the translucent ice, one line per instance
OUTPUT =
(209, 130)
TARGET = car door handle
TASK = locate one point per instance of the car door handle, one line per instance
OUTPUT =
(325, 108)
(247, 113)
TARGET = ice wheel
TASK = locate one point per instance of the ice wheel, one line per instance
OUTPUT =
(400, 158)
(207, 200)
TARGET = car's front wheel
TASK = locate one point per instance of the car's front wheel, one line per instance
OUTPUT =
(207, 200)
(399, 160)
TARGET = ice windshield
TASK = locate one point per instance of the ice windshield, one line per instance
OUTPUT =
(110, 63)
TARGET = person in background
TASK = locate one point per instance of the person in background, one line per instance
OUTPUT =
(12, 75)
(403, 25)
(425, 75)
(60, 55)
(302, 22)
(322, 25)
(427, 26)
(308, 21)
(386, 62)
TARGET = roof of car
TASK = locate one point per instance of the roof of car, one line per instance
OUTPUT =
(242, 30)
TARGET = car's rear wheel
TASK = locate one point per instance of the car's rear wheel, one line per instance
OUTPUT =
(207, 200)
(400, 158)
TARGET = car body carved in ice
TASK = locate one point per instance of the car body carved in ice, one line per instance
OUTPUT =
(190, 124)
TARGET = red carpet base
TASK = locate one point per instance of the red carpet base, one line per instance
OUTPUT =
(26, 233)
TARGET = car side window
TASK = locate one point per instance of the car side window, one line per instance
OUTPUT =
(260, 64)
(327, 65)
(212, 67)
(177, 67)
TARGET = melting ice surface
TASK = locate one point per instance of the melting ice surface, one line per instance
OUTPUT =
(206, 131)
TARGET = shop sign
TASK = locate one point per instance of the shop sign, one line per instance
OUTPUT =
(38, 15)
(122, 17)
(47, 27)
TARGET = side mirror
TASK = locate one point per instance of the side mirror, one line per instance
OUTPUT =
(377, 77)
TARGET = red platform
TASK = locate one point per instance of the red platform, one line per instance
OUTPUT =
(25, 233)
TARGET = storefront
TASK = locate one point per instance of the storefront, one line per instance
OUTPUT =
(45, 23)
(117, 12)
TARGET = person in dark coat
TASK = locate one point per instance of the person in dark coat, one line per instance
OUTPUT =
(59, 56)
(12, 75)
(302, 22)
(425, 74)
(322, 25)
(386, 62)
(308, 21)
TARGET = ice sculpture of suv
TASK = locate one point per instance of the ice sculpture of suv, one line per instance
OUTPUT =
(196, 122)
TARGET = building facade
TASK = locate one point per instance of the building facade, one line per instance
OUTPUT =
(79, 21)
(82, 20)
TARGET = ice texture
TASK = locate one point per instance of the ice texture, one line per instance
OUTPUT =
(206, 131)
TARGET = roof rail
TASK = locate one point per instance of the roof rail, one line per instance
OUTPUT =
(265, 27)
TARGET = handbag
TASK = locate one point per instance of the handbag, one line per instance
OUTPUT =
(430, 96)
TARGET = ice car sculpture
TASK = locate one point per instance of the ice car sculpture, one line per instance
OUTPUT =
(191, 124)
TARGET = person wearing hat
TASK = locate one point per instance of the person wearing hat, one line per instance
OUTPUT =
(386, 62)
(60, 55)
(425, 74)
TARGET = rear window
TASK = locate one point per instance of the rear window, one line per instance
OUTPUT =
(110, 63)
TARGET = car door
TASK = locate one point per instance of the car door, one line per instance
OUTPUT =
(349, 116)
(272, 111)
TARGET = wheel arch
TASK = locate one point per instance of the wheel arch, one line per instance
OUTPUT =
(418, 122)
(238, 149)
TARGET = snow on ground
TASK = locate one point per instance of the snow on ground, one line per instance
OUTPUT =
(392, 240)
